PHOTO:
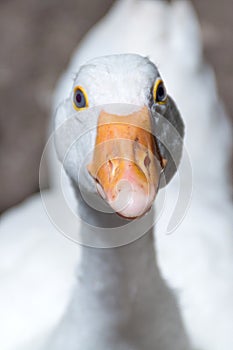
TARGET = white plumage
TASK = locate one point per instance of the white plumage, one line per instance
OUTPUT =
(197, 258)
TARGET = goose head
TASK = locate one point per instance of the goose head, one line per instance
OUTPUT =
(118, 132)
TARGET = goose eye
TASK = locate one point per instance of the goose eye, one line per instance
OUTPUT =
(160, 93)
(80, 100)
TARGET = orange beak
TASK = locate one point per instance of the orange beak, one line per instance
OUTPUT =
(126, 164)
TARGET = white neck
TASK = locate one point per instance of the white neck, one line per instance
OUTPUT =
(120, 301)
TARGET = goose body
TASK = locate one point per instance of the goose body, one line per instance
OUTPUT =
(196, 259)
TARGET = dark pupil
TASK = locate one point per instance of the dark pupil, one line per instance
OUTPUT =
(80, 99)
(160, 93)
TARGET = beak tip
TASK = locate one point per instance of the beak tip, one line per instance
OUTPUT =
(132, 203)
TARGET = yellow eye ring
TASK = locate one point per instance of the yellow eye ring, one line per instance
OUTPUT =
(159, 92)
(80, 99)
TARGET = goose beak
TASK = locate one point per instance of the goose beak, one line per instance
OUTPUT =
(126, 165)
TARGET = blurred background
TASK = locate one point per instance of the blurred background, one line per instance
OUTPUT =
(37, 39)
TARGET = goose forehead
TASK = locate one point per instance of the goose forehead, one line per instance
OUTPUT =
(118, 72)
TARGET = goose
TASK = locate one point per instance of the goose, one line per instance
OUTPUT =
(118, 292)
(118, 296)
(202, 245)
(36, 284)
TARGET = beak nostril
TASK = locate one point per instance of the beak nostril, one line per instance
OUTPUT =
(110, 166)
(96, 180)
(147, 161)
(110, 170)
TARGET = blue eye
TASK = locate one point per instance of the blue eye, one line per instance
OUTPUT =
(80, 98)
(160, 93)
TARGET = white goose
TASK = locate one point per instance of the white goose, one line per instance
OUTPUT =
(30, 291)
